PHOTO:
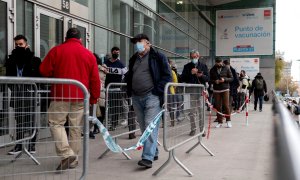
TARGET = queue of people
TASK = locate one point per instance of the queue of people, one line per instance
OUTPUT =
(148, 72)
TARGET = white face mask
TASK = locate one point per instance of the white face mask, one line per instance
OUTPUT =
(194, 61)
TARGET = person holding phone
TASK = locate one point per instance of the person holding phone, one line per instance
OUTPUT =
(194, 72)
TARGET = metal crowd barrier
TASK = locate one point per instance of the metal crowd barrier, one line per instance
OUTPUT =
(120, 118)
(287, 142)
(20, 100)
(24, 104)
(184, 112)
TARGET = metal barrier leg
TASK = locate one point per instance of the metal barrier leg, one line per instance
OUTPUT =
(172, 156)
(107, 150)
(103, 154)
(165, 164)
(182, 165)
(200, 143)
(25, 151)
(124, 153)
(31, 156)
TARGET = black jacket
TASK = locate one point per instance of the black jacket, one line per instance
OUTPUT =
(190, 78)
(160, 72)
(29, 62)
(235, 83)
(224, 73)
(256, 91)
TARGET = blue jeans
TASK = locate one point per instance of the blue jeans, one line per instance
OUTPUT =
(146, 108)
(260, 98)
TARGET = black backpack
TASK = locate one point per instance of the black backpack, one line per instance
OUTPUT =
(259, 84)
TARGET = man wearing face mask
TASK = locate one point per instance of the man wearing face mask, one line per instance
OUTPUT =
(220, 77)
(116, 72)
(194, 72)
(148, 74)
(22, 63)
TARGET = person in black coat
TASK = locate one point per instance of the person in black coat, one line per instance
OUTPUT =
(23, 63)
(259, 87)
(194, 72)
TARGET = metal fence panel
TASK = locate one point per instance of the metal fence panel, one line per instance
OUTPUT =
(120, 116)
(30, 106)
(184, 116)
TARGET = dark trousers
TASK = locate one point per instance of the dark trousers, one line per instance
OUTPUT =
(131, 119)
(256, 98)
(25, 124)
(114, 108)
(222, 103)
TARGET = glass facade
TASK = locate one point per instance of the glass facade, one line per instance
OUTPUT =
(175, 27)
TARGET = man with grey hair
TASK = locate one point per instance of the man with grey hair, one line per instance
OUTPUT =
(194, 72)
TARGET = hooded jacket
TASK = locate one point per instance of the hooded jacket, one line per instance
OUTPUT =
(258, 92)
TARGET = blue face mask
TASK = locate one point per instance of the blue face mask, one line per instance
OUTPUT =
(194, 61)
(139, 47)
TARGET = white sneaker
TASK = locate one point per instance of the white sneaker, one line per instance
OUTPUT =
(229, 125)
(124, 122)
(218, 125)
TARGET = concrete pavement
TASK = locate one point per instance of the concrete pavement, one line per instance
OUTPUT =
(241, 153)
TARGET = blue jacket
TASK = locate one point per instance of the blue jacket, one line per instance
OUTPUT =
(160, 72)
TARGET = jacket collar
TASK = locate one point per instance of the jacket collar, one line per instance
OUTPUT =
(73, 40)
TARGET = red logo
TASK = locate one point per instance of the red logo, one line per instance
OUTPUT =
(267, 13)
(256, 60)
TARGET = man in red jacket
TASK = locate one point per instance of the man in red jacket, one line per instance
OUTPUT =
(73, 61)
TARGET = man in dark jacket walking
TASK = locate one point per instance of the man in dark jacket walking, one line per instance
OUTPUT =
(148, 74)
(220, 77)
(22, 63)
(259, 87)
(194, 72)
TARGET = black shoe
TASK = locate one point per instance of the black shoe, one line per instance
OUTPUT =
(91, 135)
(192, 133)
(16, 150)
(155, 158)
(31, 150)
(204, 134)
(260, 110)
(146, 163)
(132, 136)
(96, 131)
(112, 128)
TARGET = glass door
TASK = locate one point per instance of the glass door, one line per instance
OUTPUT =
(6, 45)
(84, 30)
(49, 31)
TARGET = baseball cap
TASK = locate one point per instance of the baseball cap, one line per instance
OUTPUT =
(139, 37)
